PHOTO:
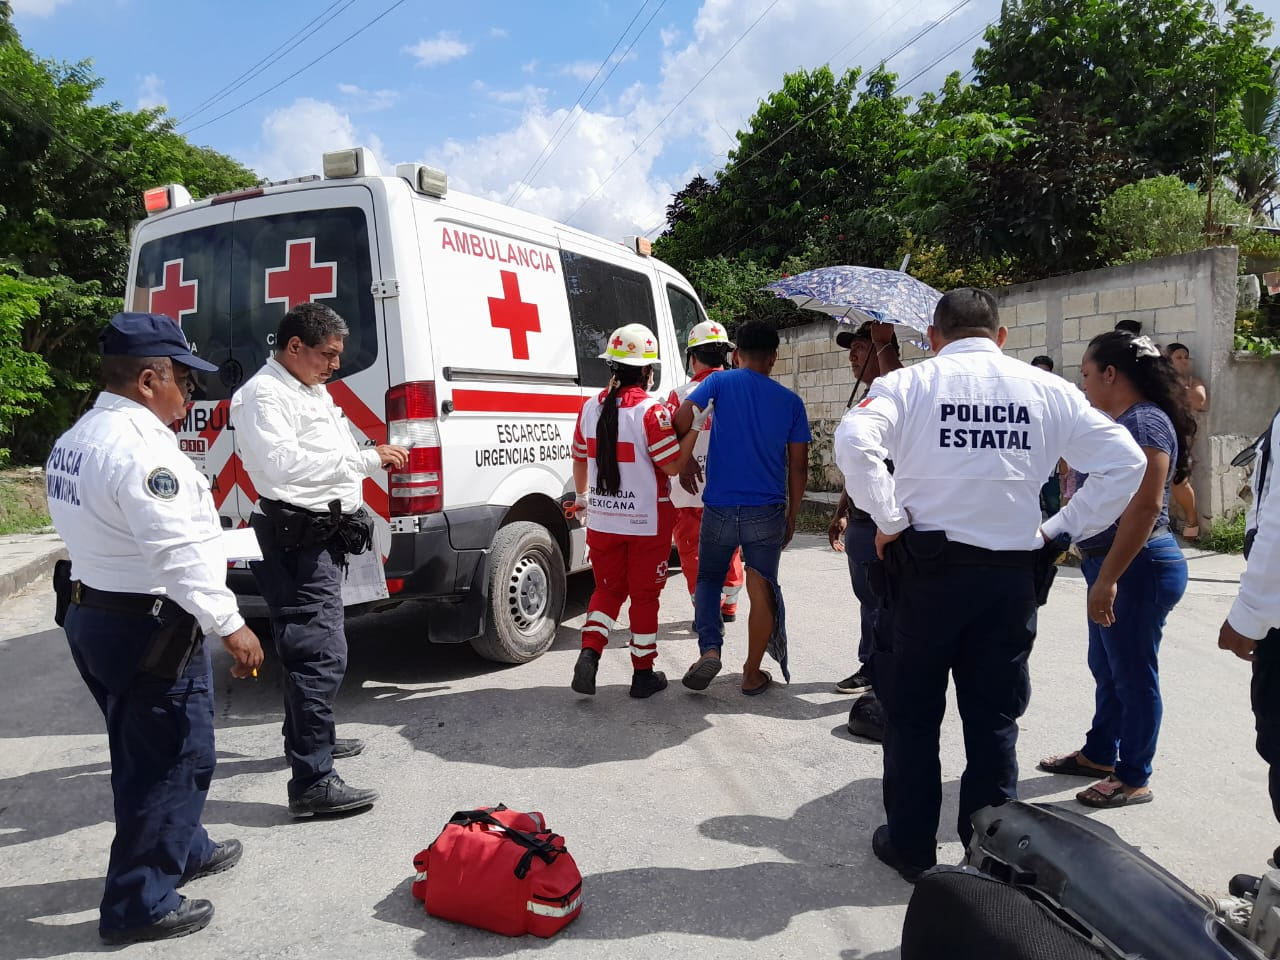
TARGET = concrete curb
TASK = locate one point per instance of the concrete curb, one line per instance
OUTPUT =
(34, 567)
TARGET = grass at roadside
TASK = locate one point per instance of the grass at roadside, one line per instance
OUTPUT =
(22, 503)
(1225, 536)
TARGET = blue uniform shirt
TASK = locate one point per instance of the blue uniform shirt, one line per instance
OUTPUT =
(755, 418)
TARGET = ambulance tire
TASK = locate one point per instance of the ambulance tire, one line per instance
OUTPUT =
(526, 594)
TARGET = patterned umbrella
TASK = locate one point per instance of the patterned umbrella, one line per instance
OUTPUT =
(854, 294)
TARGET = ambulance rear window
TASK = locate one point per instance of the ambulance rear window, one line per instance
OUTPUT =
(603, 297)
(685, 312)
(230, 284)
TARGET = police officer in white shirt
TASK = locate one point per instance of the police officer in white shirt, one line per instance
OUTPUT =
(147, 581)
(972, 435)
(1252, 628)
(307, 468)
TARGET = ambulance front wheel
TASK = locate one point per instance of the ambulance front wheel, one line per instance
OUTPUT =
(526, 594)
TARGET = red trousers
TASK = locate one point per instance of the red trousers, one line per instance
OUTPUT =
(688, 529)
(628, 566)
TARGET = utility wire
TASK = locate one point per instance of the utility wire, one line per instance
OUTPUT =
(21, 110)
(239, 81)
(529, 174)
(678, 103)
(343, 42)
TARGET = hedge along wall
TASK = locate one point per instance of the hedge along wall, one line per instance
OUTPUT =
(1189, 298)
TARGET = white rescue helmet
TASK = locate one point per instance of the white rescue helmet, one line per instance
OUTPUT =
(633, 345)
(706, 333)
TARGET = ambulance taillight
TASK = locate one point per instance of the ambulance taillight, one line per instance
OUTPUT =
(160, 199)
(411, 422)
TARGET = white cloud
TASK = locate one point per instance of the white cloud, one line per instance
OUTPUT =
(528, 94)
(583, 69)
(150, 92)
(36, 8)
(442, 48)
(360, 100)
(499, 33)
(295, 137)
(800, 33)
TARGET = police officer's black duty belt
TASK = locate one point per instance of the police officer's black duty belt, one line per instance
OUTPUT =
(129, 604)
(967, 555)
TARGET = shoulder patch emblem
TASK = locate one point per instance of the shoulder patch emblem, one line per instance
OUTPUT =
(162, 484)
(663, 416)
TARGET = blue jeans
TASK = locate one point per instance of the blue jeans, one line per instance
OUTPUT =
(160, 734)
(860, 550)
(1123, 659)
(760, 532)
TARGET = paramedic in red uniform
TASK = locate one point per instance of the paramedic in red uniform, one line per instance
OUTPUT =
(708, 347)
(624, 452)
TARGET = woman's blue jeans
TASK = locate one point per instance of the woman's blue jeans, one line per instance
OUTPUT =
(1123, 659)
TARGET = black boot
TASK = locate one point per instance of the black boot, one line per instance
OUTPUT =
(866, 718)
(645, 683)
(584, 672)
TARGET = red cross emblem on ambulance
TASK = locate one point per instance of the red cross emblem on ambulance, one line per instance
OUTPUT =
(508, 312)
(174, 297)
(301, 279)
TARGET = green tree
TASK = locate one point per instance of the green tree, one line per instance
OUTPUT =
(23, 375)
(72, 174)
(1253, 167)
(1160, 217)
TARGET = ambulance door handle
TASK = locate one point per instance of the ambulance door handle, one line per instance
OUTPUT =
(385, 289)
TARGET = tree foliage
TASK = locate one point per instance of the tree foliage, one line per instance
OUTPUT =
(72, 173)
(1161, 217)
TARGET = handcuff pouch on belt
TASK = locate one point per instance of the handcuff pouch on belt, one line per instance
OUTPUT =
(297, 529)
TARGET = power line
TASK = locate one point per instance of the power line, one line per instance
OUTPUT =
(678, 103)
(531, 173)
(20, 108)
(239, 81)
(343, 42)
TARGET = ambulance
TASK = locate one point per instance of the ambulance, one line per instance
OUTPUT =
(475, 336)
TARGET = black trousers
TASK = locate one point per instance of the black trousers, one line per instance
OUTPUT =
(1264, 692)
(303, 591)
(976, 623)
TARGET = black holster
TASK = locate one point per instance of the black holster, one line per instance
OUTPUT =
(297, 529)
(1046, 569)
(61, 591)
(173, 645)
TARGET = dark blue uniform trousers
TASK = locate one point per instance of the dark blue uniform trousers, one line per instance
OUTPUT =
(860, 551)
(303, 591)
(1265, 695)
(160, 733)
(976, 623)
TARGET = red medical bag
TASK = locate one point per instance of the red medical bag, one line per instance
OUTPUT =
(499, 870)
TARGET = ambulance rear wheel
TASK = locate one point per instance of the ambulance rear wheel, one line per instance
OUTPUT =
(526, 594)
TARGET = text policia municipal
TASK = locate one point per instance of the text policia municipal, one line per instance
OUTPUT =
(983, 438)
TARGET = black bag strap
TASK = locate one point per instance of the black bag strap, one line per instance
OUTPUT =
(535, 846)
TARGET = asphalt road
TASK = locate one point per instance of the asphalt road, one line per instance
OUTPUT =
(706, 825)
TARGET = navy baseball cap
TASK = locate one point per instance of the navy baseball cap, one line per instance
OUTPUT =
(149, 335)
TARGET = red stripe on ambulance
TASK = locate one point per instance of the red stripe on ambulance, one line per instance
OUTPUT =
(502, 401)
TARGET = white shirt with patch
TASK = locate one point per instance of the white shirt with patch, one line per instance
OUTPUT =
(972, 434)
(136, 515)
(296, 444)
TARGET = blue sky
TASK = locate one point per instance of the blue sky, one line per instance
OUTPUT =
(479, 89)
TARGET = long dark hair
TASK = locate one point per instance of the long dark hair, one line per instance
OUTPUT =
(608, 477)
(1152, 376)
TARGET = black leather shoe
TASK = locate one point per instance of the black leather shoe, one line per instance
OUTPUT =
(225, 856)
(186, 918)
(328, 796)
(645, 683)
(1245, 885)
(882, 847)
(866, 718)
(343, 748)
(584, 672)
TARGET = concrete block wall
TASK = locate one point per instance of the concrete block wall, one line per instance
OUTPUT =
(1189, 298)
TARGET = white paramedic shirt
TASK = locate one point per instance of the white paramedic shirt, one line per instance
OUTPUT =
(1256, 610)
(295, 443)
(136, 515)
(972, 435)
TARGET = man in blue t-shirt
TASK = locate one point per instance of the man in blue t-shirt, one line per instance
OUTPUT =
(757, 466)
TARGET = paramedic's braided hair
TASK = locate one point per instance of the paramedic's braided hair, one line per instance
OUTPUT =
(1153, 376)
(608, 477)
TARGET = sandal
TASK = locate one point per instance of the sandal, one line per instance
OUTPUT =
(700, 675)
(1069, 765)
(1111, 792)
(756, 691)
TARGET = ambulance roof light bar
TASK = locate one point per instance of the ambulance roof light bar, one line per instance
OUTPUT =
(641, 245)
(353, 162)
(159, 199)
(424, 179)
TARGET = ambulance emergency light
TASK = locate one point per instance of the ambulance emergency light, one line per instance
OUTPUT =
(641, 245)
(160, 199)
(354, 162)
(424, 179)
